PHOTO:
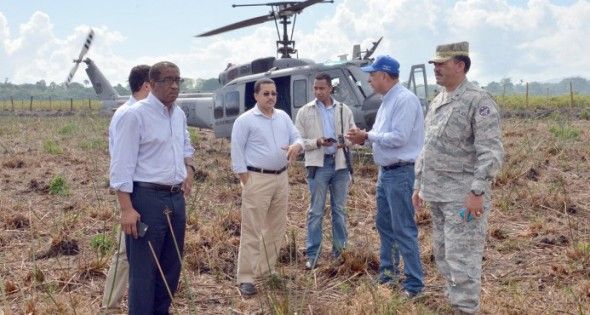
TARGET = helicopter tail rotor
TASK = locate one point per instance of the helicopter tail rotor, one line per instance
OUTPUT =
(369, 52)
(83, 52)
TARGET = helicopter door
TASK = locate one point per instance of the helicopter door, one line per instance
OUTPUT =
(283, 93)
(226, 110)
(300, 93)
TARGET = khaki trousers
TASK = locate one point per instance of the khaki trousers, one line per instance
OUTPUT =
(264, 222)
(117, 277)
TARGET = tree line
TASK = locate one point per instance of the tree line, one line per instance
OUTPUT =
(57, 91)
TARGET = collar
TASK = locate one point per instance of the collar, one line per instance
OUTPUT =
(321, 105)
(132, 100)
(257, 111)
(458, 91)
(152, 99)
(391, 93)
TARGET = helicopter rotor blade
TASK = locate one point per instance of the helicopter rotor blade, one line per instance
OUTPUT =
(83, 52)
(297, 8)
(240, 24)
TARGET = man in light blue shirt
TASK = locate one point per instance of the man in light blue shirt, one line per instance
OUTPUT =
(151, 167)
(397, 138)
(263, 141)
(118, 274)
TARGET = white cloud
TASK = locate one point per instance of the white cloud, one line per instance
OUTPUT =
(535, 41)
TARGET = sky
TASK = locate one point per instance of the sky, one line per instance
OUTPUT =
(535, 40)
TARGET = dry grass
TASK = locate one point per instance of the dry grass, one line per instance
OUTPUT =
(537, 258)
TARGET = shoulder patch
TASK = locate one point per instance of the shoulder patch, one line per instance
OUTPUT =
(484, 111)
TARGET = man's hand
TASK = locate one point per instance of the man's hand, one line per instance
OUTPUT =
(129, 218)
(292, 151)
(244, 177)
(323, 142)
(187, 184)
(416, 200)
(356, 135)
(474, 204)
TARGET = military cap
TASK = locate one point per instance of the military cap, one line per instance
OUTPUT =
(448, 51)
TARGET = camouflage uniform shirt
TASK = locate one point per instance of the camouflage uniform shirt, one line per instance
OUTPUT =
(462, 148)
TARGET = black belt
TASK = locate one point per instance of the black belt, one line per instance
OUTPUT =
(329, 155)
(396, 165)
(265, 171)
(171, 188)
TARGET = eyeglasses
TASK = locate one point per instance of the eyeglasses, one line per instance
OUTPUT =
(267, 94)
(169, 81)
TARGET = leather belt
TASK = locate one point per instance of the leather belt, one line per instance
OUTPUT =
(171, 188)
(265, 171)
(329, 155)
(396, 165)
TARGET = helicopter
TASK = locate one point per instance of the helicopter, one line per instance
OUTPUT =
(198, 107)
(293, 78)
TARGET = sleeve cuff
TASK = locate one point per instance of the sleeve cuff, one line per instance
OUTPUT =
(416, 184)
(479, 185)
(126, 187)
(370, 137)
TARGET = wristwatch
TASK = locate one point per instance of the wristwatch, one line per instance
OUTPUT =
(477, 193)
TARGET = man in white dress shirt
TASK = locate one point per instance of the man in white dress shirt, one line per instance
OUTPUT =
(151, 168)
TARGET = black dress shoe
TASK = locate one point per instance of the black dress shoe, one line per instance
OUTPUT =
(247, 289)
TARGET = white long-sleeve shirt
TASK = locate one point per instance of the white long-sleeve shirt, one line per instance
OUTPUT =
(115, 120)
(150, 145)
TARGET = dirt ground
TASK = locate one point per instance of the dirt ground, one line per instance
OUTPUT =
(57, 220)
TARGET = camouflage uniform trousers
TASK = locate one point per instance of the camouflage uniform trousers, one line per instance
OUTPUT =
(458, 250)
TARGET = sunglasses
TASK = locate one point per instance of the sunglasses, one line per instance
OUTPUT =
(267, 94)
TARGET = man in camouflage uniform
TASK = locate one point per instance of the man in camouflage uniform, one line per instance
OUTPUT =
(461, 155)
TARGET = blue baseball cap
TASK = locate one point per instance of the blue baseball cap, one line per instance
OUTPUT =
(383, 63)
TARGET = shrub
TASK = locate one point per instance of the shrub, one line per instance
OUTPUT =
(101, 244)
(52, 147)
(564, 132)
(58, 186)
(67, 129)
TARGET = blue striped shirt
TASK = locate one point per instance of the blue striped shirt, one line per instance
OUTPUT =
(398, 131)
(328, 124)
(150, 145)
(258, 140)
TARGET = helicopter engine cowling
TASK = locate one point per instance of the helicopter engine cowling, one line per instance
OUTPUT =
(259, 65)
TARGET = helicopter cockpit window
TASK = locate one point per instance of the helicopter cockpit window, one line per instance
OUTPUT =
(361, 80)
(218, 109)
(341, 92)
(232, 103)
(299, 92)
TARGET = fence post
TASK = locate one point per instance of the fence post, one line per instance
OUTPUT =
(12, 103)
(31, 104)
(571, 95)
(89, 105)
(526, 102)
(71, 104)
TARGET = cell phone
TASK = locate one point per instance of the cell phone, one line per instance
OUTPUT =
(331, 140)
(141, 228)
(462, 214)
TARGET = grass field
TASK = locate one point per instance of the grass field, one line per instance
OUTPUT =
(57, 218)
